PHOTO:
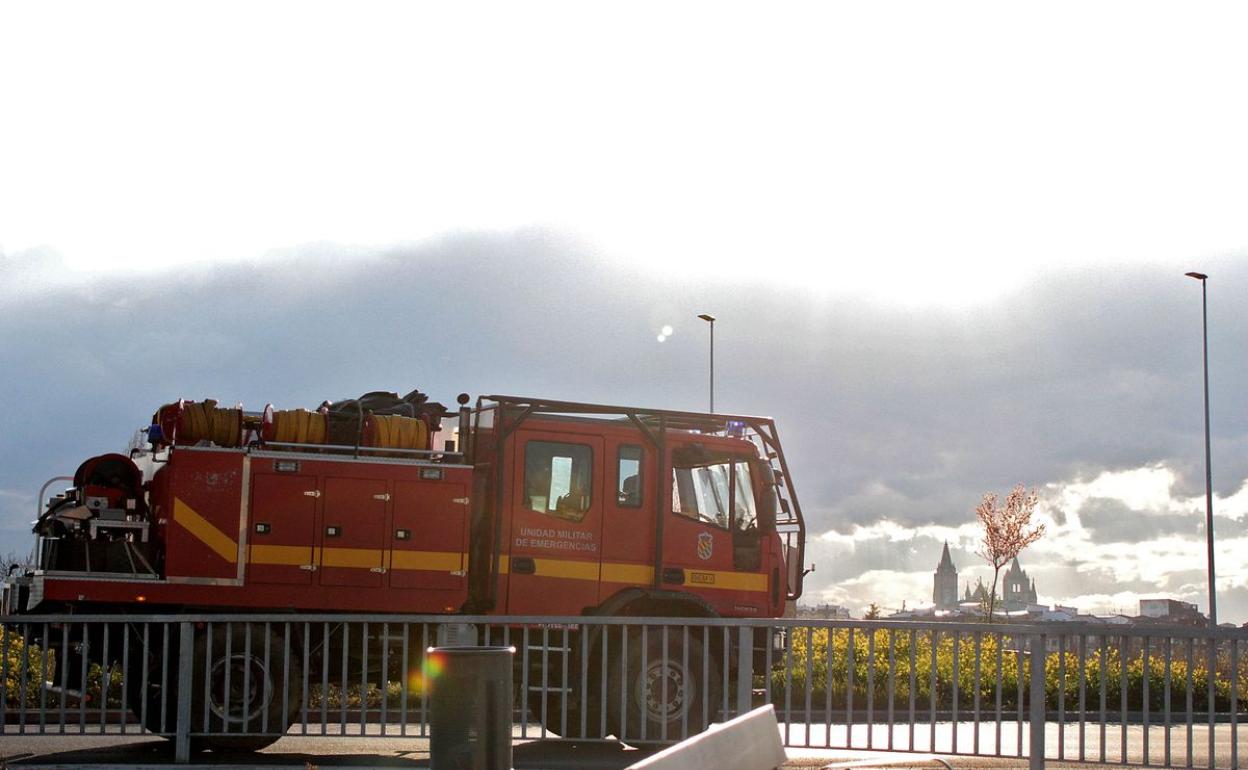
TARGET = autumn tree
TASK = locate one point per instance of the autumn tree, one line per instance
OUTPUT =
(1007, 531)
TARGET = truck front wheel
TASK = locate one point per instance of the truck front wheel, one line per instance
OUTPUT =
(660, 693)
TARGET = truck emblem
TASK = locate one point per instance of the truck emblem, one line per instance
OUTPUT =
(706, 545)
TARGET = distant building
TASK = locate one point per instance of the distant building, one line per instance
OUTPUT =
(1020, 591)
(1170, 612)
(824, 611)
(945, 582)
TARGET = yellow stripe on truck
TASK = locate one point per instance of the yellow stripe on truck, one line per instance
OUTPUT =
(283, 555)
(431, 561)
(360, 558)
(207, 533)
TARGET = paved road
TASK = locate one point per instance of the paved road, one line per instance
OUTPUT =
(808, 749)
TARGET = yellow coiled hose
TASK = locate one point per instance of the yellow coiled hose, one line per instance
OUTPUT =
(390, 431)
(298, 426)
(205, 421)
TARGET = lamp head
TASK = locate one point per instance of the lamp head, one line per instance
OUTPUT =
(707, 317)
(1197, 276)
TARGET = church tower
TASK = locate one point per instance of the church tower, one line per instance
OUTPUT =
(945, 582)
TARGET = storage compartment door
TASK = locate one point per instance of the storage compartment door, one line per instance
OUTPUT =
(429, 539)
(353, 532)
(283, 528)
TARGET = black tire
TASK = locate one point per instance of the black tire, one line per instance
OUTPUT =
(258, 709)
(638, 712)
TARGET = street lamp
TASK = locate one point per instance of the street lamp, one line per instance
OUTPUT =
(711, 320)
(1204, 312)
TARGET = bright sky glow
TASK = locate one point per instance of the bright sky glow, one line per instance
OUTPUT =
(954, 148)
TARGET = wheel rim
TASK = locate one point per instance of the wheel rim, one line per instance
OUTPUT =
(250, 702)
(650, 691)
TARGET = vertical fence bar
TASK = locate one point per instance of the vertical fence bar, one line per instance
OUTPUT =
(1061, 696)
(424, 680)
(106, 674)
(1211, 677)
(1104, 675)
(82, 690)
(810, 675)
(166, 629)
(1083, 696)
(953, 718)
(604, 663)
(325, 637)
(524, 683)
(186, 662)
(22, 674)
(125, 672)
(726, 645)
(932, 690)
(565, 690)
(406, 670)
(1191, 658)
(1235, 703)
(892, 681)
(788, 685)
(1124, 658)
(363, 677)
(914, 638)
(850, 665)
(1035, 759)
(43, 675)
(979, 651)
(143, 661)
(584, 696)
(745, 675)
(385, 676)
(546, 674)
(663, 667)
(1019, 644)
(1000, 644)
(246, 704)
(827, 690)
(346, 679)
(1168, 718)
(6, 637)
(225, 708)
(307, 676)
(1146, 671)
(870, 687)
(623, 678)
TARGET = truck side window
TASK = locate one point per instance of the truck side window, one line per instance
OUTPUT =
(714, 489)
(558, 478)
(629, 478)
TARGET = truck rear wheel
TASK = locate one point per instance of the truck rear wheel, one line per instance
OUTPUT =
(245, 691)
(666, 695)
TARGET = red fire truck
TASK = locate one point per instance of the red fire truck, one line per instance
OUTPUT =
(511, 507)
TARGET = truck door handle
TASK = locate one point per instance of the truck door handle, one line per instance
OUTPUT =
(523, 566)
(673, 575)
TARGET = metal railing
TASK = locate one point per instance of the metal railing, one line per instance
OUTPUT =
(1167, 697)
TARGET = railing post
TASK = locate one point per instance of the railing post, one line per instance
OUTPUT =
(1036, 715)
(745, 668)
(186, 662)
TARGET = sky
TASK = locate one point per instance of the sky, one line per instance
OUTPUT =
(945, 245)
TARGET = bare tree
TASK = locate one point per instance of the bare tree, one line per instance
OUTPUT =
(1007, 531)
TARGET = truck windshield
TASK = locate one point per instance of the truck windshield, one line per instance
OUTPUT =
(713, 490)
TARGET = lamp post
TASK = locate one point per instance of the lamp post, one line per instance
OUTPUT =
(711, 320)
(1204, 313)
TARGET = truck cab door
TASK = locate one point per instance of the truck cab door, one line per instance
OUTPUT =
(711, 540)
(554, 542)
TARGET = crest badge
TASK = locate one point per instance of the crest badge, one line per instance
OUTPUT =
(706, 545)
